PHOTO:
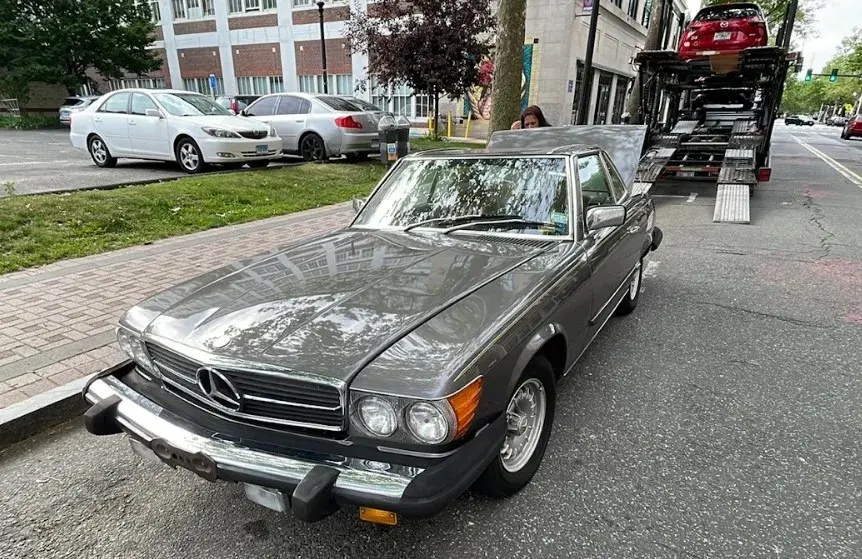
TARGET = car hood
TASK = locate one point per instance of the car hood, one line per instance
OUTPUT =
(230, 122)
(330, 306)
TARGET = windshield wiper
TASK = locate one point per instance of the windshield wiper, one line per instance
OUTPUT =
(503, 222)
(459, 218)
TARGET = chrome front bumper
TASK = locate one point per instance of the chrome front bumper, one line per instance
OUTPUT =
(149, 422)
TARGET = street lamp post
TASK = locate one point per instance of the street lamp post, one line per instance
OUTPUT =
(323, 48)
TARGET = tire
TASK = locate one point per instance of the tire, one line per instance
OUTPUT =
(189, 156)
(259, 164)
(630, 301)
(312, 148)
(100, 153)
(506, 476)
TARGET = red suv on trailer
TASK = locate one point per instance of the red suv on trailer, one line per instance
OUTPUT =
(724, 29)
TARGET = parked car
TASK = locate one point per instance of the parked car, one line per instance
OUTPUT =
(74, 104)
(798, 120)
(853, 128)
(237, 103)
(724, 29)
(170, 125)
(396, 362)
(318, 126)
(838, 120)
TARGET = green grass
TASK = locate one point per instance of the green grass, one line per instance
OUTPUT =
(28, 122)
(37, 230)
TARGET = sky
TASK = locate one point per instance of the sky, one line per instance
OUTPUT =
(833, 22)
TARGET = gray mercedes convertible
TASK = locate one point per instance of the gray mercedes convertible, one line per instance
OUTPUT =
(395, 363)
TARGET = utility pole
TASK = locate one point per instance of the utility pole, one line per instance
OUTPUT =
(654, 36)
(323, 49)
(587, 87)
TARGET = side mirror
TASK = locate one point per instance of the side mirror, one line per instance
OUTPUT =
(155, 112)
(357, 204)
(605, 216)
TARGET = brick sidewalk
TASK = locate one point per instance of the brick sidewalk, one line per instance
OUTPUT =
(57, 321)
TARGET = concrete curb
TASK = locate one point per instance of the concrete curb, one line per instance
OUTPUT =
(32, 416)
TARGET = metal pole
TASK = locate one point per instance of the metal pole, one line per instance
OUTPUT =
(587, 88)
(323, 48)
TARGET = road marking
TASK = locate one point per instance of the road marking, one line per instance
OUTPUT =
(847, 173)
(37, 162)
(691, 197)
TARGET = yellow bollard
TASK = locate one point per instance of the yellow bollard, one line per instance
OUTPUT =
(449, 125)
(469, 120)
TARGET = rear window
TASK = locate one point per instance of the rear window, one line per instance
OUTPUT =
(727, 12)
(338, 104)
(72, 101)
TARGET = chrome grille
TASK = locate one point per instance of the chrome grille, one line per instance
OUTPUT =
(254, 134)
(266, 397)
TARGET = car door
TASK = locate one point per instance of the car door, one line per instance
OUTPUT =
(606, 247)
(290, 118)
(637, 213)
(148, 135)
(111, 123)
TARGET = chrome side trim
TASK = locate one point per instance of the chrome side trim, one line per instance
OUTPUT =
(615, 297)
(149, 421)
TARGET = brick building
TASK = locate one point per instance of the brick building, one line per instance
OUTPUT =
(266, 46)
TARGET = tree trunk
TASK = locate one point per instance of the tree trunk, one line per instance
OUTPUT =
(655, 35)
(508, 64)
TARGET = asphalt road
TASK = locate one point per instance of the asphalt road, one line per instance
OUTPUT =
(721, 419)
(45, 161)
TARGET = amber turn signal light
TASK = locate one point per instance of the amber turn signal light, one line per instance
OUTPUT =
(464, 404)
(378, 516)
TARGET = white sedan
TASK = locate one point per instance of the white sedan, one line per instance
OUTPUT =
(168, 125)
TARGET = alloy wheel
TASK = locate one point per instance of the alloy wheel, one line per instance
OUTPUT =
(635, 284)
(99, 151)
(525, 418)
(189, 157)
(312, 148)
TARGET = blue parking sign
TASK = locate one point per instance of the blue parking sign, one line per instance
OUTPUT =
(212, 81)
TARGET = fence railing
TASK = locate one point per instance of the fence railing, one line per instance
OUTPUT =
(9, 107)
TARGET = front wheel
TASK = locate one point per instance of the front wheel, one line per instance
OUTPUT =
(189, 156)
(630, 301)
(529, 417)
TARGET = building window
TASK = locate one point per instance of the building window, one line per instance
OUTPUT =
(619, 3)
(154, 9)
(259, 85)
(647, 13)
(633, 9)
(192, 9)
(339, 84)
(310, 3)
(579, 86)
(145, 83)
(620, 97)
(202, 85)
(401, 100)
(245, 6)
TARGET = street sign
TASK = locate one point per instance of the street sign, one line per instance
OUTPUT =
(212, 81)
(571, 86)
(588, 6)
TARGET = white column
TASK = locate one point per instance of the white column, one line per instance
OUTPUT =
(224, 49)
(359, 61)
(612, 101)
(170, 44)
(594, 95)
(285, 39)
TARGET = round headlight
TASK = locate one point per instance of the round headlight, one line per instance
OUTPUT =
(427, 423)
(126, 343)
(377, 416)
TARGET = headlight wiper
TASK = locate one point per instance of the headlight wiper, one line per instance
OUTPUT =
(459, 218)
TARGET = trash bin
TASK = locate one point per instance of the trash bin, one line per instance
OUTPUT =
(388, 134)
(403, 133)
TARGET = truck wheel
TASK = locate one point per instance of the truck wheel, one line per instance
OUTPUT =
(630, 301)
(530, 415)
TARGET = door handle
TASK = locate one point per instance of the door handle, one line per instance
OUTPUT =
(634, 229)
(131, 122)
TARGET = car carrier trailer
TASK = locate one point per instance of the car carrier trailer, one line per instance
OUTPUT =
(710, 119)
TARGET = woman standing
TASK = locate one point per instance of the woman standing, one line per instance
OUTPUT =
(532, 117)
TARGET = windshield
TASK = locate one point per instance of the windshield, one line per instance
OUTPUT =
(528, 194)
(189, 104)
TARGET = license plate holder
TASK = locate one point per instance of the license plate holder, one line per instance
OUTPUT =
(195, 462)
(721, 36)
(685, 174)
(375, 143)
(262, 148)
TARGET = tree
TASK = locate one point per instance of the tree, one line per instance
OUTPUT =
(655, 34)
(57, 41)
(774, 11)
(508, 64)
(432, 46)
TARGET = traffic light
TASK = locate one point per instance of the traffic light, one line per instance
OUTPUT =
(808, 75)
(833, 77)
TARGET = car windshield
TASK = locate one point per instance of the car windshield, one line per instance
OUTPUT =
(189, 104)
(722, 13)
(511, 194)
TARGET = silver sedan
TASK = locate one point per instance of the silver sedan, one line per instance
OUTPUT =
(318, 126)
